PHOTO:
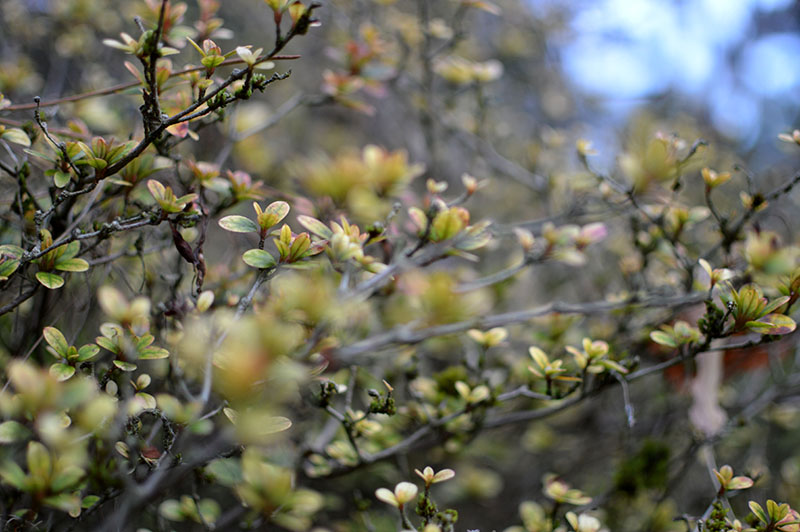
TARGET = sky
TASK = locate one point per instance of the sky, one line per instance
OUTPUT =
(708, 51)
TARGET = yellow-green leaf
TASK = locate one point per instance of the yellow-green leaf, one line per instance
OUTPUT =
(125, 366)
(50, 280)
(17, 136)
(56, 339)
(238, 224)
(773, 324)
(61, 372)
(13, 431)
(72, 265)
(258, 258)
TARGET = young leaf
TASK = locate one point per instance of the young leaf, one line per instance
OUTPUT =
(153, 353)
(87, 352)
(660, 337)
(773, 324)
(125, 366)
(50, 280)
(12, 431)
(61, 372)
(272, 215)
(56, 339)
(258, 258)
(72, 265)
(238, 224)
(315, 226)
(17, 136)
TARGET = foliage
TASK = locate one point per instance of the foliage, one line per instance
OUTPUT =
(250, 315)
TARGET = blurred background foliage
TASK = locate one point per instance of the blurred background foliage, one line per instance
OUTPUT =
(502, 91)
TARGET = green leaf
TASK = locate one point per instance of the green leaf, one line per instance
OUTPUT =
(153, 353)
(125, 366)
(107, 344)
(226, 471)
(89, 501)
(315, 226)
(758, 511)
(660, 337)
(17, 136)
(41, 155)
(66, 478)
(72, 265)
(13, 474)
(258, 258)
(144, 341)
(12, 431)
(69, 251)
(773, 324)
(87, 352)
(778, 302)
(61, 371)
(273, 214)
(39, 463)
(740, 483)
(61, 179)
(7, 267)
(171, 510)
(10, 250)
(67, 502)
(238, 224)
(275, 424)
(157, 190)
(56, 339)
(50, 280)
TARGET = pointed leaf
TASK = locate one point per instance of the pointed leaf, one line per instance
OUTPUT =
(238, 224)
(778, 302)
(89, 501)
(13, 474)
(69, 251)
(315, 226)
(66, 478)
(758, 511)
(258, 258)
(50, 280)
(275, 424)
(156, 189)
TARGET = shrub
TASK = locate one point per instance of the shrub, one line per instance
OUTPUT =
(223, 314)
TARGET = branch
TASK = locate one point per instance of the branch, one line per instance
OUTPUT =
(122, 87)
(405, 334)
(23, 297)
